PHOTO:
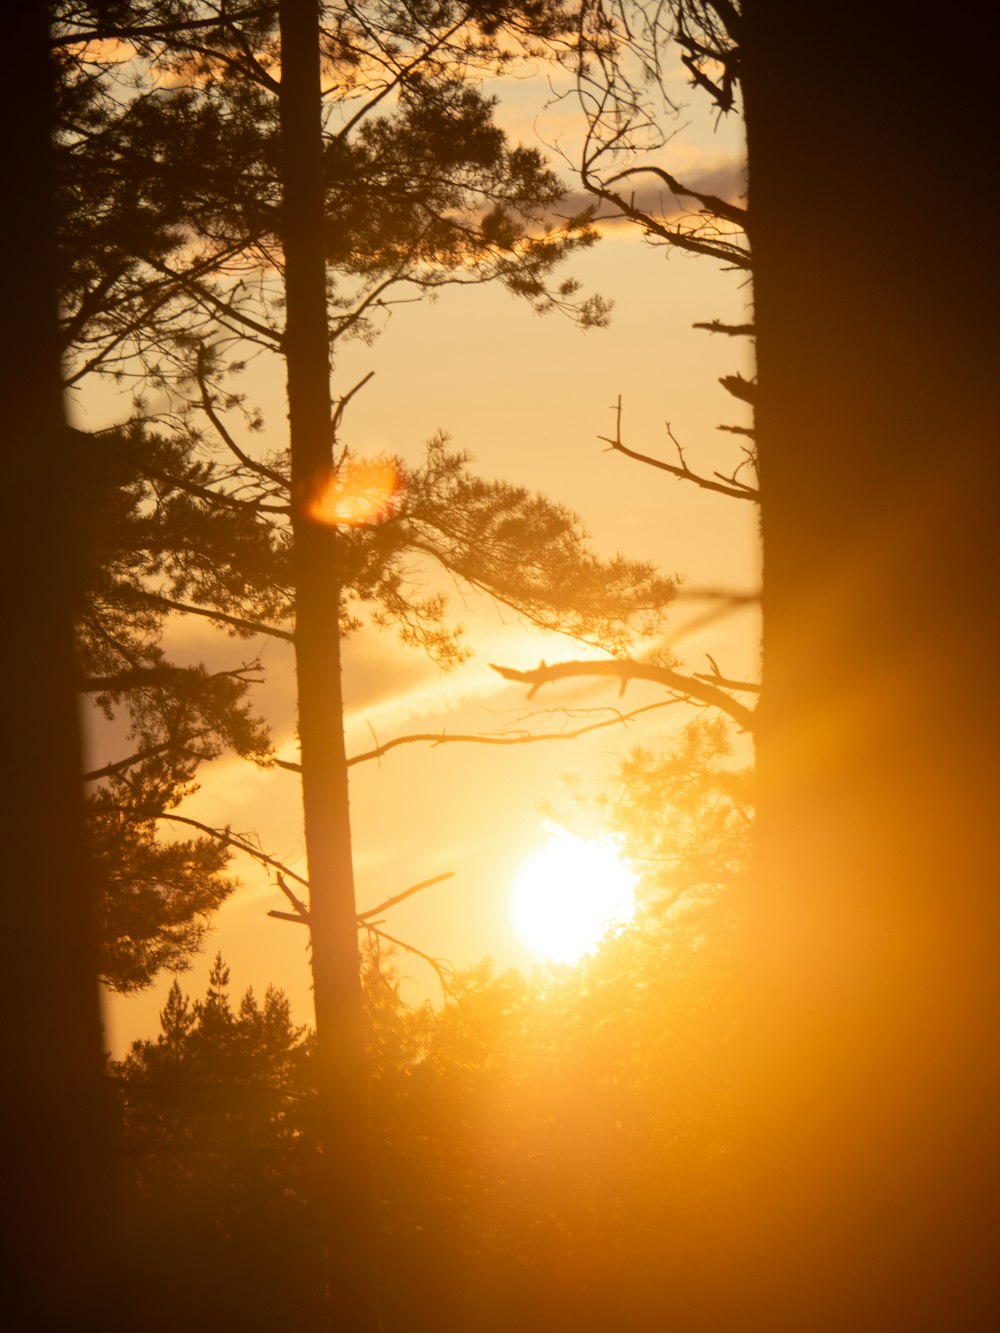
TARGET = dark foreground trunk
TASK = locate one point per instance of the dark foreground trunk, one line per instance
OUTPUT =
(874, 976)
(53, 1127)
(340, 1060)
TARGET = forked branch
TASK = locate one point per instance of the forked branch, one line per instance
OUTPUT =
(731, 485)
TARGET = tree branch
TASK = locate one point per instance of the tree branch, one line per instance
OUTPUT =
(142, 677)
(731, 212)
(300, 916)
(730, 486)
(406, 893)
(228, 839)
(445, 974)
(120, 765)
(126, 32)
(435, 738)
(688, 687)
(715, 677)
(208, 407)
(249, 626)
(725, 251)
(733, 330)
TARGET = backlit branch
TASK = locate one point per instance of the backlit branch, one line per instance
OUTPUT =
(435, 738)
(208, 407)
(717, 678)
(300, 916)
(687, 687)
(444, 973)
(406, 893)
(137, 678)
(731, 212)
(122, 765)
(726, 252)
(731, 485)
(229, 839)
(247, 626)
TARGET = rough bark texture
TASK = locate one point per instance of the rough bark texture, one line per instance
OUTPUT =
(53, 1127)
(334, 935)
(874, 976)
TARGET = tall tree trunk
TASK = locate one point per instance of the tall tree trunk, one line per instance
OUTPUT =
(874, 971)
(341, 1058)
(53, 1125)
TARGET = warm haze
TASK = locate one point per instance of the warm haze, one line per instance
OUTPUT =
(529, 397)
(752, 1086)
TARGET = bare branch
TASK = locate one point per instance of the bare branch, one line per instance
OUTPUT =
(229, 839)
(143, 677)
(688, 687)
(120, 765)
(731, 486)
(720, 207)
(716, 677)
(725, 251)
(273, 338)
(406, 893)
(346, 398)
(301, 910)
(445, 974)
(300, 916)
(249, 626)
(436, 738)
(208, 407)
(733, 330)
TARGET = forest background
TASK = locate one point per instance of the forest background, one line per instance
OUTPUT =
(528, 397)
(150, 324)
(870, 1089)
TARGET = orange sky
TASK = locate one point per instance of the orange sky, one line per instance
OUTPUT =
(527, 396)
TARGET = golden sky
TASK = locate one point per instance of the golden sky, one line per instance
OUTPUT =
(527, 396)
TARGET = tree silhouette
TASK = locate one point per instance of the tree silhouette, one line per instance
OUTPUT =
(400, 203)
(873, 973)
(58, 1190)
(218, 1130)
(544, 1146)
(168, 182)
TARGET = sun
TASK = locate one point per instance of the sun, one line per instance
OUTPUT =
(569, 894)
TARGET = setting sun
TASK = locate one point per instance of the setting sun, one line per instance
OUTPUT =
(569, 894)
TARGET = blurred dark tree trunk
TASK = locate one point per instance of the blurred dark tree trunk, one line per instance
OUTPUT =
(57, 1177)
(340, 1047)
(875, 1102)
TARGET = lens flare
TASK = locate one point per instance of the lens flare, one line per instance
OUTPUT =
(361, 491)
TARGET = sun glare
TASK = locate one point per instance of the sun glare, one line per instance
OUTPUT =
(569, 894)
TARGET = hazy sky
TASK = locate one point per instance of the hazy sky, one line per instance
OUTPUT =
(527, 396)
